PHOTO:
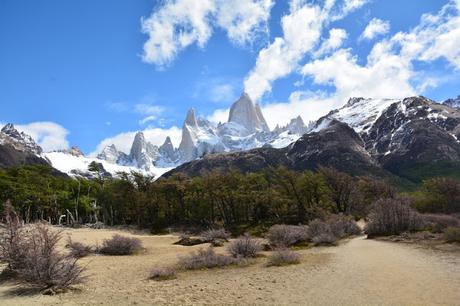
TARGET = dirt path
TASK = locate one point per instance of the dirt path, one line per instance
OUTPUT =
(358, 272)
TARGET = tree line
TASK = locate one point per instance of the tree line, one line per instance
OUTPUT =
(230, 199)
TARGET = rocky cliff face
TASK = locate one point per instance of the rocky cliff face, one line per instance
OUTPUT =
(248, 115)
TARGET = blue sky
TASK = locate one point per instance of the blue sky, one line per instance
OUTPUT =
(80, 72)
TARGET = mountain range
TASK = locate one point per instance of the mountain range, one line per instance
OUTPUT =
(380, 136)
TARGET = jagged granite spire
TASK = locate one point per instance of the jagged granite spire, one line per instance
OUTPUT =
(143, 153)
(247, 114)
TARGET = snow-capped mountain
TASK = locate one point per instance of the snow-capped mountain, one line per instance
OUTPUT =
(409, 137)
(245, 129)
(19, 140)
(454, 103)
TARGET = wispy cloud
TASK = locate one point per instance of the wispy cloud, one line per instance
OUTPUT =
(302, 29)
(176, 24)
(375, 28)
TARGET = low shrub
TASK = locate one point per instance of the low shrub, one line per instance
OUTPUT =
(32, 257)
(163, 273)
(392, 217)
(120, 245)
(44, 267)
(205, 259)
(12, 239)
(282, 257)
(452, 234)
(437, 223)
(213, 234)
(343, 226)
(244, 247)
(78, 249)
(320, 232)
(281, 235)
(325, 239)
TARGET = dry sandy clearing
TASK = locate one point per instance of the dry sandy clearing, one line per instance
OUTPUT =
(358, 272)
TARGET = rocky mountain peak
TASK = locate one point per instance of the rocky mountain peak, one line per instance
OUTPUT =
(454, 103)
(143, 153)
(247, 114)
(19, 140)
(190, 119)
(74, 151)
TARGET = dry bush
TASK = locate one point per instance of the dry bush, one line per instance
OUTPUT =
(325, 239)
(213, 234)
(281, 235)
(205, 259)
(392, 217)
(120, 245)
(43, 267)
(343, 226)
(244, 247)
(320, 232)
(452, 234)
(163, 273)
(437, 223)
(78, 249)
(12, 239)
(283, 257)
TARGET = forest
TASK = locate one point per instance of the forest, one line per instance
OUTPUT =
(234, 200)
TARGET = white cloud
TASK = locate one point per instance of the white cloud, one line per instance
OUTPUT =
(335, 40)
(151, 112)
(302, 29)
(310, 106)
(49, 135)
(375, 28)
(384, 76)
(156, 136)
(219, 115)
(437, 36)
(177, 24)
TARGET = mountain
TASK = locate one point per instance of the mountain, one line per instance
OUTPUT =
(411, 138)
(247, 114)
(454, 103)
(245, 129)
(18, 148)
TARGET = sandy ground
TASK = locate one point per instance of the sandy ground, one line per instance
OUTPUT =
(357, 272)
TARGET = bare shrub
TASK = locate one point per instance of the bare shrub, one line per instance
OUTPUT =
(320, 232)
(205, 259)
(43, 267)
(120, 245)
(163, 273)
(438, 222)
(12, 239)
(282, 257)
(281, 235)
(325, 239)
(244, 247)
(213, 234)
(78, 249)
(343, 226)
(452, 234)
(392, 217)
